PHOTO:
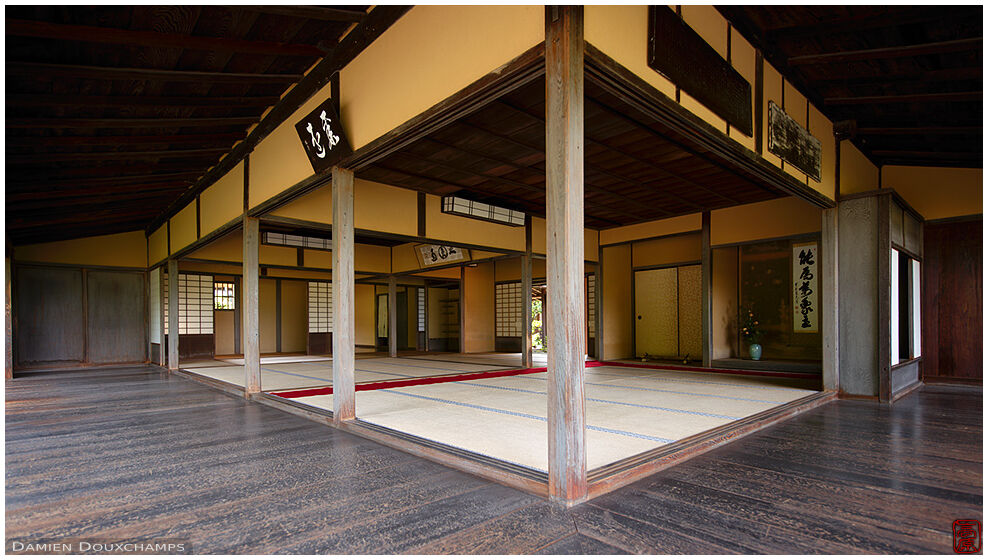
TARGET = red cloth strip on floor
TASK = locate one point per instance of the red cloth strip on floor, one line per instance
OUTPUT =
(711, 370)
(411, 382)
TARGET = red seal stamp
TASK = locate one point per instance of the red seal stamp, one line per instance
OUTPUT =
(967, 536)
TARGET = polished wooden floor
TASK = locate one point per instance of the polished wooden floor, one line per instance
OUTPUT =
(127, 454)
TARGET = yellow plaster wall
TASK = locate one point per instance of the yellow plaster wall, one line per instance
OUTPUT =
(507, 270)
(795, 107)
(279, 161)
(378, 207)
(772, 81)
(371, 258)
(268, 310)
(743, 60)
(478, 308)
(667, 250)
(821, 127)
(223, 201)
(712, 27)
(284, 256)
(228, 248)
(617, 304)
(857, 173)
(120, 249)
(158, 245)
(668, 226)
(318, 259)
(363, 315)
(403, 258)
(764, 220)
(456, 229)
(621, 32)
(183, 228)
(452, 273)
(591, 238)
(426, 56)
(937, 192)
(316, 206)
(294, 315)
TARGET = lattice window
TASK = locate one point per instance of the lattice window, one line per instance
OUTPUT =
(591, 306)
(195, 304)
(420, 294)
(320, 307)
(224, 296)
(508, 310)
(289, 240)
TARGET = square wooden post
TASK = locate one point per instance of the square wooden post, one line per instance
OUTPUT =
(706, 290)
(173, 308)
(564, 254)
(344, 401)
(250, 307)
(526, 297)
(829, 324)
(393, 317)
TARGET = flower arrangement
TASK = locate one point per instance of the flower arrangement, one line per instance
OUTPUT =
(750, 331)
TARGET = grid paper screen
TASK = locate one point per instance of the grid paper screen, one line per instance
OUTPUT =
(195, 304)
(508, 310)
(591, 306)
(320, 307)
(420, 292)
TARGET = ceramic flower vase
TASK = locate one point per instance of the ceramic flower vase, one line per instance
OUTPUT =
(755, 351)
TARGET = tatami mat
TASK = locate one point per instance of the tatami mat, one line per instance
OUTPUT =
(628, 411)
(319, 373)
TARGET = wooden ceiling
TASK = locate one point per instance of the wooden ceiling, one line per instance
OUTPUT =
(906, 81)
(117, 114)
(634, 170)
(114, 111)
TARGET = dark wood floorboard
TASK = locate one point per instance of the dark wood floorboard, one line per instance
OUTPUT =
(131, 454)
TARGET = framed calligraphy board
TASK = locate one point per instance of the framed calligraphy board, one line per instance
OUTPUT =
(322, 137)
(435, 255)
(805, 292)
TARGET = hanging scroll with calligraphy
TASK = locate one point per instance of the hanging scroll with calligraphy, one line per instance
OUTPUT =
(805, 296)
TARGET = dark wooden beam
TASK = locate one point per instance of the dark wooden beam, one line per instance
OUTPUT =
(919, 130)
(132, 180)
(587, 166)
(941, 47)
(220, 139)
(56, 123)
(308, 12)
(109, 35)
(838, 77)
(110, 156)
(108, 171)
(83, 200)
(36, 69)
(928, 154)
(75, 192)
(911, 98)
(56, 100)
(843, 24)
(372, 26)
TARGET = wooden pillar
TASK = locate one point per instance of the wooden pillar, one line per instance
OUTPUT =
(162, 287)
(599, 302)
(829, 300)
(173, 308)
(706, 290)
(8, 325)
(344, 402)
(251, 306)
(564, 253)
(393, 316)
(526, 297)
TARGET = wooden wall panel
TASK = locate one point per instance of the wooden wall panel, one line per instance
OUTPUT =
(115, 317)
(49, 316)
(952, 301)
